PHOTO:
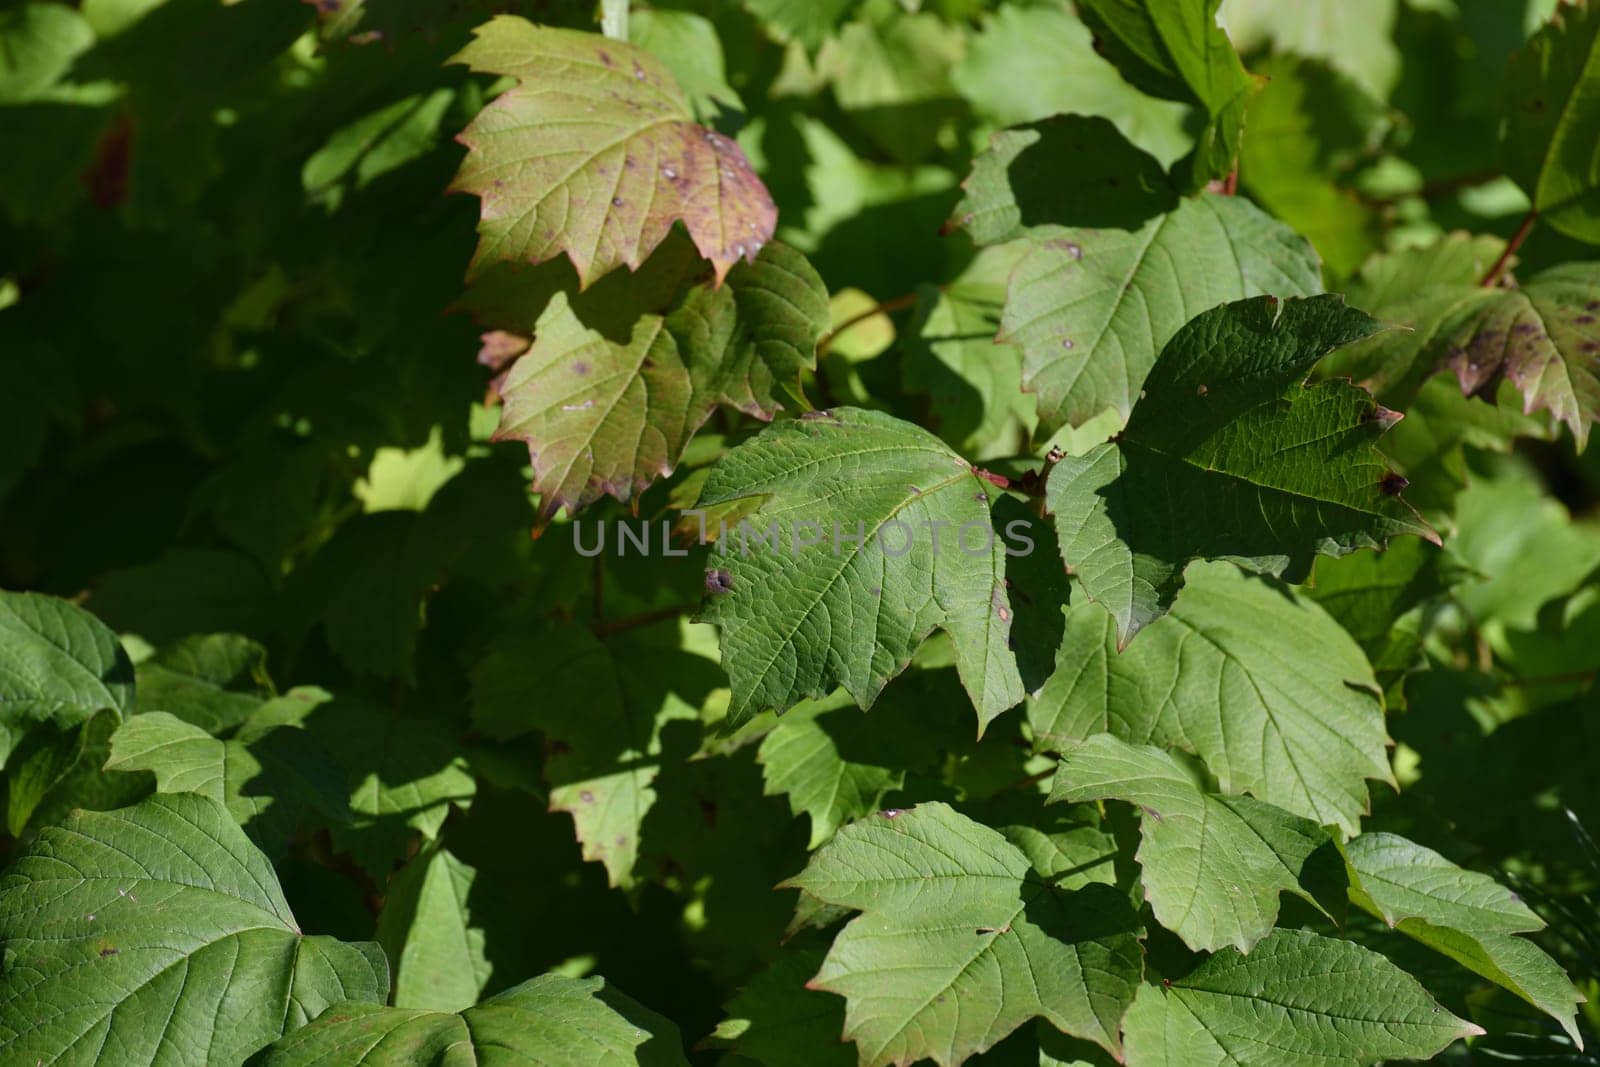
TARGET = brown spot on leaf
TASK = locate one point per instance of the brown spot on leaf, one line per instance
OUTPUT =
(718, 581)
(1393, 483)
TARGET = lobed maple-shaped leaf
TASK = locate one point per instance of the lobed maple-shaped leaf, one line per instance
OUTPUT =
(1213, 864)
(1542, 335)
(961, 940)
(595, 154)
(609, 393)
(1225, 676)
(1174, 49)
(1091, 309)
(854, 556)
(1553, 120)
(148, 930)
(1298, 1000)
(1228, 456)
(1466, 915)
(551, 1020)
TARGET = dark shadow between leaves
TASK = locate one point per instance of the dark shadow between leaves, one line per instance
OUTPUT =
(1081, 171)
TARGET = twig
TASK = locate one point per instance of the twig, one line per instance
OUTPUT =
(1032, 779)
(1570, 678)
(644, 618)
(1524, 227)
(899, 303)
(1445, 186)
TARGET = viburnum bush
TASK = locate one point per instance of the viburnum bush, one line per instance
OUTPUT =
(1061, 534)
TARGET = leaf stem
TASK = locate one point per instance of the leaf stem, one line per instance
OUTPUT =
(1524, 227)
(899, 303)
(1028, 482)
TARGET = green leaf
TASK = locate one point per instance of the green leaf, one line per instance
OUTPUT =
(890, 73)
(802, 759)
(835, 764)
(1174, 49)
(973, 383)
(160, 928)
(688, 45)
(1307, 126)
(40, 762)
(1066, 170)
(1298, 1000)
(778, 1021)
(1226, 677)
(58, 664)
(1227, 456)
(184, 758)
(213, 680)
(1430, 445)
(427, 929)
(271, 775)
(403, 774)
(1525, 545)
(1426, 291)
(1093, 308)
(808, 21)
(1368, 593)
(608, 396)
(1466, 915)
(1355, 37)
(38, 43)
(550, 1020)
(961, 940)
(595, 154)
(851, 607)
(1542, 335)
(605, 750)
(1553, 120)
(1028, 63)
(1213, 864)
